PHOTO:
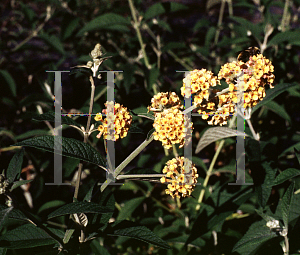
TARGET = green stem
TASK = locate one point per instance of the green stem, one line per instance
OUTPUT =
(221, 13)
(210, 169)
(138, 32)
(180, 61)
(136, 152)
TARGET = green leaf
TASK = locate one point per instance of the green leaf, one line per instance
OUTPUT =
(3, 251)
(272, 93)
(25, 236)
(109, 21)
(31, 133)
(285, 204)
(278, 109)
(128, 76)
(135, 129)
(80, 207)
(150, 133)
(257, 234)
(291, 37)
(69, 147)
(130, 229)
(50, 116)
(152, 77)
(19, 183)
(215, 133)
(129, 207)
(98, 249)
(154, 10)
(255, 29)
(15, 166)
(11, 213)
(53, 41)
(50, 204)
(286, 175)
(9, 81)
(264, 190)
(67, 31)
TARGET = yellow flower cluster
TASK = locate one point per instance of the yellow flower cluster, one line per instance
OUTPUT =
(181, 176)
(248, 78)
(198, 82)
(117, 122)
(164, 100)
(170, 127)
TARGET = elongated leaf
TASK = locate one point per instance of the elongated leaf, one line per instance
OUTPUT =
(50, 204)
(98, 249)
(290, 37)
(80, 207)
(255, 29)
(286, 175)
(54, 42)
(25, 236)
(129, 207)
(110, 21)
(272, 93)
(15, 166)
(257, 234)
(150, 133)
(10, 82)
(129, 229)
(19, 183)
(278, 109)
(154, 10)
(285, 204)
(32, 133)
(215, 133)
(69, 147)
(11, 213)
(50, 116)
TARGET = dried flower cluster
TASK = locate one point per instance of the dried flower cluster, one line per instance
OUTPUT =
(117, 122)
(181, 176)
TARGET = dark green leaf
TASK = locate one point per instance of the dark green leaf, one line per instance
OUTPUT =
(69, 147)
(9, 81)
(154, 10)
(152, 77)
(25, 236)
(255, 29)
(272, 93)
(80, 207)
(11, 213)
(286, 175)
(257, 234)
(19, 183)
(15, 166)
(50, 205)
(150, 133)
(285, 204)
(291, 37)
(278, 109)
(129, 207)
(135, 129)
(130, 229)
(110, 21)
(50, 116)
(31, 133)
(70, 28)
(98, 249)
(54, 42)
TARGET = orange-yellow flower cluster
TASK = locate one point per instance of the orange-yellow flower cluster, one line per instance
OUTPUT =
(117, 122)
(198, 82)
(170, 124)
(181, 176)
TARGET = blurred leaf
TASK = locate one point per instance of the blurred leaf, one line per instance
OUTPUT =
(130, 229)
(290, 37)
(69, 166)
(11, 213)
(19, 183)
(53, 41)
(50, 116)
(98, 249)
(152, 77)
(31, 133)
(297, 155)
(211, 3)
(129, 208)
(25, 236)
(69, 147)
(255, 29)
(272, 93)
(290, 149)
(286, 175)
(9, 81)
(135, 129)
(215, 133)
(257, 234)
(278, 109)
(67, 30)
(50, 204)
(285, 204)
(3, 251)
(210, 34)
(80, 207)
(154, 10)
(128, 76)
(150, 133)
(15, 166)
(109, 21)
